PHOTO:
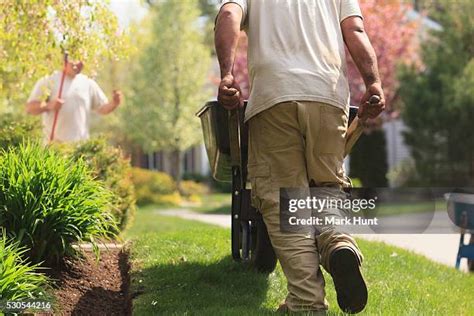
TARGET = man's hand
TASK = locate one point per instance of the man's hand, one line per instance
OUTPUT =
(371, 110)
(55, 105)
(117, 97)
(230, 94)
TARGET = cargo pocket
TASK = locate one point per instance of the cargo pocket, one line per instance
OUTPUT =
(259, 175)
(332, 130)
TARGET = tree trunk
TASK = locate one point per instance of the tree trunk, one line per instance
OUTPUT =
(176, 165)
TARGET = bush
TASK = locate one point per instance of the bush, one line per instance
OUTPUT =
(196, 177)
(109, 166)
(151, 186)
(221, 187)
(18, 280)
(49, 202)
(370, 146)
(173, 199)
(189, 188)
(404, 174)
(14, 129)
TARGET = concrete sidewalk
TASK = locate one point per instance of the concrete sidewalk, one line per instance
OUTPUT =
(441, 248)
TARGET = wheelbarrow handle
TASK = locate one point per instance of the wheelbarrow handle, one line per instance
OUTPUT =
(356, 128)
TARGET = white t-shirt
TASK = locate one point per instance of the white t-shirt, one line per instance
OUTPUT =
(81, 95)
(296, 51)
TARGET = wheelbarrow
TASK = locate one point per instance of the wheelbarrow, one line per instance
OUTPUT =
(226, 141)
(461, 212)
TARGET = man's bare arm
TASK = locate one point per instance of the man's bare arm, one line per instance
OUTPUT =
(227, 34)
(226, 40)
(112, 105)
(364, 56)
(38, 107)
(361, 49)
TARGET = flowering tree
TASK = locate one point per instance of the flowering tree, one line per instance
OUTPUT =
(34, 33)
(394, 39)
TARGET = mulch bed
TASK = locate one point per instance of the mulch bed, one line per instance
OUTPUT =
(86, 287)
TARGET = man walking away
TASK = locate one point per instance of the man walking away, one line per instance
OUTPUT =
(297, 116)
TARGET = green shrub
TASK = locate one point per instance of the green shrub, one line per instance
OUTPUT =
(189, 188)
(48, 202)
(371, 174)
(15, 128)
(221, 187)
(151, 186)
(173, 199)
(108, 165)
(196, 177)
(216, 186)
(18, 280)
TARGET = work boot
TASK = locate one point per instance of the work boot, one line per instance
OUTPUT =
(348, 280)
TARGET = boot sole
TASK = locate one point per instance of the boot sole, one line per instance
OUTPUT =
(350, 285)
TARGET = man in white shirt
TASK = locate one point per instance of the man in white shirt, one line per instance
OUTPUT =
(297, 117)
(80, 96)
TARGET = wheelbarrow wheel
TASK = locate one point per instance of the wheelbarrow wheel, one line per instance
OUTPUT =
(262, 256)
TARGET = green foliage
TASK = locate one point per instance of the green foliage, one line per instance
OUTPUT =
(438, 101)
(403, 174)
(222, 187)
(168, 87)
(14, 129)
(109, 166)
(209, 8)
(368, 160)
(154, 187)
(49, 202)
(32, 34)
(188, 188)
(18, 279)
(196, 177)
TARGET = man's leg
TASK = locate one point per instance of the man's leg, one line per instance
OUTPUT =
(324, 127)
(277, 159)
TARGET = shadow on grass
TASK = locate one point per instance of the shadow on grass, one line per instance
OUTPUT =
(195, 288)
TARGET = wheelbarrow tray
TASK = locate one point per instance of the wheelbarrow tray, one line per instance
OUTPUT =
(215, 127)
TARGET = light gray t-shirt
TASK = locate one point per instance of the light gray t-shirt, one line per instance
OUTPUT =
(296, 51)
(81, 95)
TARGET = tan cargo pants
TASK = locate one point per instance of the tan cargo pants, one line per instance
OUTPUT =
(292, 145)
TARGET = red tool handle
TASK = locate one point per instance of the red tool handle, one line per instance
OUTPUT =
(60, 93)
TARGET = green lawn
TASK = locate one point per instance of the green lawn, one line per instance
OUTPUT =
(184, 268)
(215, 204)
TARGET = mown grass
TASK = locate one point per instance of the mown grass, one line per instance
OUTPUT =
(183, 267)
(218, 203)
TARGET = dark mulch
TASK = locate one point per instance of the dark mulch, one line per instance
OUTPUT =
(86, 287)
